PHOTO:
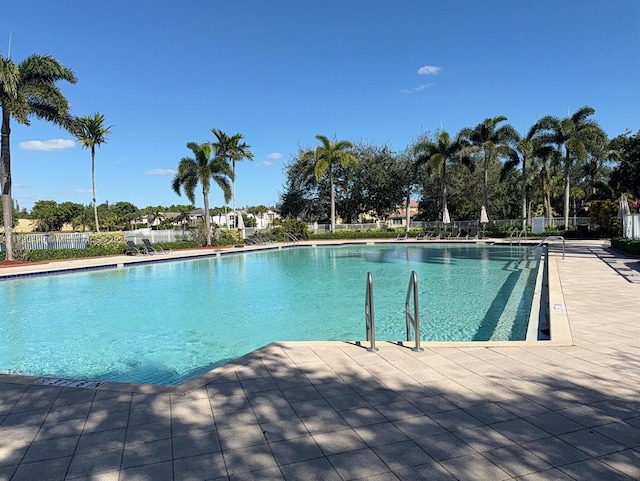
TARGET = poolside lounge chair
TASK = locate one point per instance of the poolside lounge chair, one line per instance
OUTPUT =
(133, 250)
(422, 235)
(472, 232)
(153, 250)
(455, 233)
(402, 236)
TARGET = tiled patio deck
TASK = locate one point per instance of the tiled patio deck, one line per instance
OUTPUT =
(333, 411)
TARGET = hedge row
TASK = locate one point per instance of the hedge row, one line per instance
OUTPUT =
(626, 245)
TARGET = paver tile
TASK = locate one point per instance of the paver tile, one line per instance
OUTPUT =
(474, 467)
(357, 464)
(245, 461)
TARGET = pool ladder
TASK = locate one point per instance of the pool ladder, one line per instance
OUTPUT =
(412, 320)
(368, 314)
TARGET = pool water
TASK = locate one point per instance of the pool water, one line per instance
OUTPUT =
(165, 323)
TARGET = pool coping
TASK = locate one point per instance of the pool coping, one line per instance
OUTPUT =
(557, 316)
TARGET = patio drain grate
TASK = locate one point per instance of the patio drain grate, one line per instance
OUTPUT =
(50, 381)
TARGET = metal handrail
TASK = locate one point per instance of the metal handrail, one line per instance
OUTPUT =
(415, 319)
(518, 233)
(292, 238)
(368, 314)
(548, 238)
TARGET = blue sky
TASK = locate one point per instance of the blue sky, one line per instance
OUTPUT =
(281, 71)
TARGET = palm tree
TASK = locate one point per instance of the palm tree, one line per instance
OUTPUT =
(91, 132)
(202, 168)
(492, 141)
(27, 89)
(525, 150)
(574, 135)
(234, 150)
(324, 159)
(436, 153)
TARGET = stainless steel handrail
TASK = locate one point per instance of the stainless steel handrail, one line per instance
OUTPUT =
(292, 238)
(368, 314)
(415, 319)
(548, 238)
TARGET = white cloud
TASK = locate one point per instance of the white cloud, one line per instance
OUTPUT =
(266, 163)
(274, 155)
(419, 88)
(429, 70)
(47, 145)
(160, 172)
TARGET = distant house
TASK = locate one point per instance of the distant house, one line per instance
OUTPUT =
(222, 220)
(399, 217)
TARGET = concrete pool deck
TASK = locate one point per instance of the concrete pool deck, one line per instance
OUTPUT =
(334, 411)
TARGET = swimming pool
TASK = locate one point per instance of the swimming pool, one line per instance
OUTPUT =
(165, 323)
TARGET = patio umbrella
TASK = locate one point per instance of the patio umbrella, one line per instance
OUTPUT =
(623, 207)
(445, 216)
(239, 221)
(483, 216)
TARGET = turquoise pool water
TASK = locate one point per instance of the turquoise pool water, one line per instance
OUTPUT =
(168, 322)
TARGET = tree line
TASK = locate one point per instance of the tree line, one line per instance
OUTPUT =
(565, 165)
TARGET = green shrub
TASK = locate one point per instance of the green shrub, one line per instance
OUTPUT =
(225, 237)
(111, 242)
(383, 233)
(626, 245)
(57, 254)
(292, 226)
(177, 245)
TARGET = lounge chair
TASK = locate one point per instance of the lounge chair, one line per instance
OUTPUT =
(402, 236)
(455, 233)
(422, 235)
(153, 250)
(473, 232)
(133, 250)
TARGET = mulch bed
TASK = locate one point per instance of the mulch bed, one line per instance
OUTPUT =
(19, 263)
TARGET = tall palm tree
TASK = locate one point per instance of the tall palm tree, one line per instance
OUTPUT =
(525, 150)
(27, 89)
(324, 159)
(492, 141)
(574, 134)
(91, 132)
(231, 148)
(437, 153)
(202, 167)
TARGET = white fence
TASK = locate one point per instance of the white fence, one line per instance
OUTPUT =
(631, 226)
(79, 240)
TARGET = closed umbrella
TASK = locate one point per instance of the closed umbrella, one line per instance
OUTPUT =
(445, 216)
(623, 210)
(484, 219)
(623, 207)
(239, 221)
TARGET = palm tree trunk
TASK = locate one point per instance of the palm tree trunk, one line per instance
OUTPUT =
(407, 211)
(207, 217)
(524, 193)
(93, 183)
(233, 193)
(567, 189)
(333, 202)
(7, 202)
(486, 181)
